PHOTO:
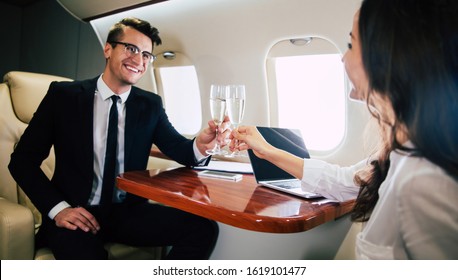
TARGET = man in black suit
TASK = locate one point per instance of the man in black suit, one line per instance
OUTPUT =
(74, 118)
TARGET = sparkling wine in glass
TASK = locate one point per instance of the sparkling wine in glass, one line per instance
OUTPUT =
(218, 111)
(235, 102)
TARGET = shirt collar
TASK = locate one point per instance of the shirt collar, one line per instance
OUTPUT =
(106, 92)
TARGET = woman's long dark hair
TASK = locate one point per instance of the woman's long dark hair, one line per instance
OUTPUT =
(410, 55)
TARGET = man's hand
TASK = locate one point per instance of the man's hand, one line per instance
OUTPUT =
(74, 218)
(207, 137)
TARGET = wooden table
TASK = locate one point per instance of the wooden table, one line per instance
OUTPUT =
(242, 204)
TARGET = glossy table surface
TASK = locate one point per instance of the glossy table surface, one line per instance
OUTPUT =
(242, 204)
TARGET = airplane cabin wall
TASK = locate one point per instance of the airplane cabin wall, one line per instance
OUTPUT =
(228, 42)
(43, 37)
(10, 16)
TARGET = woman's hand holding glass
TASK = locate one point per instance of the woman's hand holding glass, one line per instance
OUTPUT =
(248, 137)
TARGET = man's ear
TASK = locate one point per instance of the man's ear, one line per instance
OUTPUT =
(107, 50)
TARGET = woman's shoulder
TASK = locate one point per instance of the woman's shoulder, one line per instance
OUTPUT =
(418, 179)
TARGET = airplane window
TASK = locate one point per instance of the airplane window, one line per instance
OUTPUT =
(180, 90)
(309, 94)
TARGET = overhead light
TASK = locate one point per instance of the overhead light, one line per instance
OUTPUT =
(169, 55)
(301, 41)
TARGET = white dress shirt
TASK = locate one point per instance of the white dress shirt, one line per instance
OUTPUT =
(102, 105)
(416, 215)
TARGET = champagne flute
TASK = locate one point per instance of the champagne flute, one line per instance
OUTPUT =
(218, 111)
(235, 102)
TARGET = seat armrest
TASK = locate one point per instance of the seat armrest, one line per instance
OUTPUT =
(17, 231)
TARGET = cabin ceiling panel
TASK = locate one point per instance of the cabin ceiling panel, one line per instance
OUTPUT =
(87, 10)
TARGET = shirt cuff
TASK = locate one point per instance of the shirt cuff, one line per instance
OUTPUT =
(56, 209)
(197, 154)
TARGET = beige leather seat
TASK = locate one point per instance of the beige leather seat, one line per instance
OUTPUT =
(20, 95)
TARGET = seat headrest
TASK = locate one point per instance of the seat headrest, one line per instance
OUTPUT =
(27, 90)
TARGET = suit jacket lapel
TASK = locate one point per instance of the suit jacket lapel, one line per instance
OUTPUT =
(133, 112)
(85, 149)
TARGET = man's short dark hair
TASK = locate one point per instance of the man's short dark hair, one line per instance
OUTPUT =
(140, 25)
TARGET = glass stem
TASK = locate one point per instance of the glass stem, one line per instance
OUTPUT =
(236, 141)
(217, 146)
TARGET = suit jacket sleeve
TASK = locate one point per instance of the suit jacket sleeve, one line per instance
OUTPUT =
(34, 147)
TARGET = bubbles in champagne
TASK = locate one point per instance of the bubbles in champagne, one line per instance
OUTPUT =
(217, 109)
(235, 110)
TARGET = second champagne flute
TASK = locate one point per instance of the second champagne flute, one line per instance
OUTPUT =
(218, 111)
(235, 102)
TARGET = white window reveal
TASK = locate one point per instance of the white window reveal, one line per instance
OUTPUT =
(180, 91)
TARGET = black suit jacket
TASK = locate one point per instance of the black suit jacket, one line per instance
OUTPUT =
(64, 120)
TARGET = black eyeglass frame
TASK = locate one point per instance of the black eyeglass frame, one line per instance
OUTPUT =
(136, 50)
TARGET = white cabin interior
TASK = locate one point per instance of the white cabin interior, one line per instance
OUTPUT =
(226, 41)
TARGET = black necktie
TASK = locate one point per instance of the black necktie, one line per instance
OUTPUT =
(109, 171)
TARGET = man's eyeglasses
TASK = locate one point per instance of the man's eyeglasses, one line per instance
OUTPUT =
(134, 50)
